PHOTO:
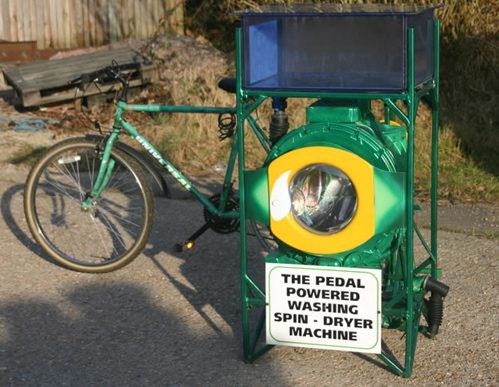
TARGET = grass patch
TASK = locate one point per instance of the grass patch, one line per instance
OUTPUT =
(191, 142)
(27, 155)
(474, 233)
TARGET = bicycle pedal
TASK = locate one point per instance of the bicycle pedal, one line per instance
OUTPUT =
(180, 247)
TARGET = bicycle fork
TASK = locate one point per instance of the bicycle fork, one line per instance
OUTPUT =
(104, 175)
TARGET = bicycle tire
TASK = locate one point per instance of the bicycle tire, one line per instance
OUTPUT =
(108, 236)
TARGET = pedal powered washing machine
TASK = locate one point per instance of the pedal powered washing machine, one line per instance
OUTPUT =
(337, 194)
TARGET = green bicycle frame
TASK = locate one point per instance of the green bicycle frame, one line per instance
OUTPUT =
(120, 124)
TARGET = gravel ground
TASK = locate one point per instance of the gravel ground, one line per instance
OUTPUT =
(172, 319)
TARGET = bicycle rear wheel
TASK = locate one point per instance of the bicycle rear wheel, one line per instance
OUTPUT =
(107, 236)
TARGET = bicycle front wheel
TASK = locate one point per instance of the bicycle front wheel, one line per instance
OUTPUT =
(116, 227)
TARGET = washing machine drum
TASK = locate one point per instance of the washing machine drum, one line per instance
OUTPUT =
(321, 188)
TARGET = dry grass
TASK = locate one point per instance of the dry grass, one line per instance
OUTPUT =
(190, 140)
(469, 164)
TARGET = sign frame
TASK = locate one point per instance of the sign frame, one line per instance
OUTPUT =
(327, 307)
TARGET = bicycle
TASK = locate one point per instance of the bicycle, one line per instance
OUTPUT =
(88, 202)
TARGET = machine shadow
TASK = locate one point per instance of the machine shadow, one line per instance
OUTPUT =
(208, 276)
(210, 273)
(106, 334)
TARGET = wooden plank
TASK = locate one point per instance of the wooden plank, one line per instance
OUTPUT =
(56, 21)
(91, 21)
(84, 24)
(101, 22)
(159, 12)
(124, 20)
(140, 12)
(53, 20)
(74, 20)
(112, 16)
(153, 10)
(31, 99)
(101, 33)
(18, 51)
(7, 19)
(73, 94)
(136, 15)
(45, 42)
(18, 17)
(40, 69)
(8, 47)
(120, 20)
(13, 20)
(32, 15)
(37, 98)
(22, 55)
(151, 19)
(2, 22)
(66, 24)
(39, 21)
(44, 81)
(50, 73)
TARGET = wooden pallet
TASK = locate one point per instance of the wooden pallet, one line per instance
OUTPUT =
(46, 82)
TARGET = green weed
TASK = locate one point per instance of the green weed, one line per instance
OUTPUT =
(27, 155)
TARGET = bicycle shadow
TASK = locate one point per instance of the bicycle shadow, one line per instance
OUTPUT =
(111, 331)
(201, 290)
(208, 276)
(12, 199)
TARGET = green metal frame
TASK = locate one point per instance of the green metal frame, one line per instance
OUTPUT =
(408, 303)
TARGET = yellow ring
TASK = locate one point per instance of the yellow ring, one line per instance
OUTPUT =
(361, 174)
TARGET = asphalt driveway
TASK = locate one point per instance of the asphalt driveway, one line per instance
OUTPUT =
(174, 319)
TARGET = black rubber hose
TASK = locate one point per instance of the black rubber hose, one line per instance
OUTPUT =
(436, 305)
(435, 313)
(279, 126)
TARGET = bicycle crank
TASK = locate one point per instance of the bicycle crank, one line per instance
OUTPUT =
(217, 223)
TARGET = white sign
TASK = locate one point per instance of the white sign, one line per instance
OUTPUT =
(324, 307)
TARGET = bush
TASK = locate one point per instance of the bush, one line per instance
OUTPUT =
(469, 76)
